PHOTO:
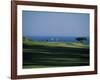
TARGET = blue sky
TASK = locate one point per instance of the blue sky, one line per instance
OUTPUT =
(40, 23)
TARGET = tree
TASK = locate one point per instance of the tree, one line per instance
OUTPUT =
(81, 39)
(24, 38)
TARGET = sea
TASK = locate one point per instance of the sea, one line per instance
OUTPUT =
(57, 39)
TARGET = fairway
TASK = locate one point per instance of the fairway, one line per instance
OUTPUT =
(54, 54)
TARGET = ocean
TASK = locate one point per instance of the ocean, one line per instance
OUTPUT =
(56, 39)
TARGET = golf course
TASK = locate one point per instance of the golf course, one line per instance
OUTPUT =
(42, 54)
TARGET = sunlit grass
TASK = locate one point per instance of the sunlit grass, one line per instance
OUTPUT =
(57, 44)
(43, 54)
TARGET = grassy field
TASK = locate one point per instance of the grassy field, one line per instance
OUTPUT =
(54, 54)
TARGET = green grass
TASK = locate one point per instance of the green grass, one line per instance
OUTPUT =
(35, 66)
(54, 54)
(57, 44)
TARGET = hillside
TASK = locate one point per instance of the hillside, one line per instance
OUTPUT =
(54, 54)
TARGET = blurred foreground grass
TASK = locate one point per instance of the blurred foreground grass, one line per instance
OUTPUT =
(54, 54)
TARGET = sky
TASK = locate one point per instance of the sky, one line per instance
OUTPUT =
(42, 23)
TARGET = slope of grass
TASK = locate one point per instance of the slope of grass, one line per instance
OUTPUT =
(57, 44)
(50, 54)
